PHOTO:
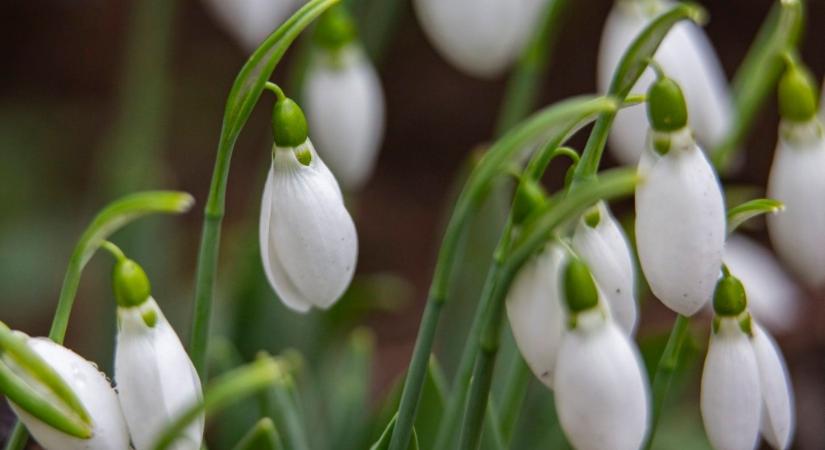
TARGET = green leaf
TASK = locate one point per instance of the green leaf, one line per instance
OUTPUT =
(262, 436)
(748, 210)
(383, 442)
(432, 404)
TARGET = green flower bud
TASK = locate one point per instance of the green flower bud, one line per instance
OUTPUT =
(335, 29)
(529, 196)
(666, 108)
(289, 125)
(130, 283)
(579, 288)
(729, 298)
(797, 94)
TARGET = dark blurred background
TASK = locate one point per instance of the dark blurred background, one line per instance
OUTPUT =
(91, 109)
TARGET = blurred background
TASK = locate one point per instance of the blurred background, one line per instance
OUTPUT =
(100, 98)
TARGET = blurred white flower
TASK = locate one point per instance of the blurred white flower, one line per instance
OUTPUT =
(731, 397)
(155, 379)
(480, 37)
(680, 224)
(686, 55)
(92, 389)
(601, 390)
(797, 180)
(344, 103)
(251, 21)
(773, 297)
(605, 249)
(536, 313)
(777, 395)
(309, 246)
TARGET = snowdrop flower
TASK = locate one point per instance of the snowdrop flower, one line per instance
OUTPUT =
(601, 389)
(480, 37)
(344, 101)
(680, 214)
(92, 389)
(308, 242)
(797, 179)
(686, 54)
(773, 297)
(534, 308)
(601, 243)
(155, 379)
(251, 21)
(777, 396)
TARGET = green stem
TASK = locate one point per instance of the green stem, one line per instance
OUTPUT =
(263, 436)
(515, 390)
(114, 250)
(665, 371)
(285, 408)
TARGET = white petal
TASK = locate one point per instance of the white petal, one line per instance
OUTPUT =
(308, 242)
(777, 394)
(731, 399)
(773, 298)
(686, 56)
(680, 228)
(95, 393)
(251, 21)
(606, 251)
(480, 37)
(155, 379)
(344, 103)
(797, 180)
(601, 389)
(537, 316)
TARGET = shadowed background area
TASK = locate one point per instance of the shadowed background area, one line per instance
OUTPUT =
(101, 98)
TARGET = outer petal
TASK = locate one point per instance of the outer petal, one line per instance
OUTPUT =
(777, 394)
(601, 390)
(537, 316)
(480, 37)
(731, 397)
(773, 297)
(797, 180)
(345, 108)
(308, 245)
(686, 56)
(606, 251)
(155, 378)
(680, 227)
(93, 390)
(251, 21)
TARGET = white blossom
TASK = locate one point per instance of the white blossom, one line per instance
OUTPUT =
(251, 21)
(309, 246)
(777, 395)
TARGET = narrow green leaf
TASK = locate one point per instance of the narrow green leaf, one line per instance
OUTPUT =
(262, 436)
(431, 408)
(748, 210)
(383, 442)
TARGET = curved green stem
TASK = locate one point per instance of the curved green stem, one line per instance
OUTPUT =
(665, 370)
(243, 96)
(113, 249)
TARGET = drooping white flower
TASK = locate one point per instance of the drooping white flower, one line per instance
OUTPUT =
(94, 392)
(777, 395)
(686, 55)
(251, 21)
(536, 313)
(605, 249)
(773, 297)
(155, 379)
(680, 224)
(601, 391)
(480, 37)
(796, 179)
(345, 109)
(731, 397)
(309, 246)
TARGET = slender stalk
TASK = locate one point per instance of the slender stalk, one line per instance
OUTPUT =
(18, 438)
(665, 371)
(515, 390)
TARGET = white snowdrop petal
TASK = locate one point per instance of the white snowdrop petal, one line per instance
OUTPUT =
(773, 297)
(308, 239)
(687, 56)
(94, 392)
(777, 394)
(601, 389)
(344, 104)
(680, 228)
(155, 378)
(251, 21)
(797, 180)
(480, 37)
(607, 253)
(731, 401)
(537, 316)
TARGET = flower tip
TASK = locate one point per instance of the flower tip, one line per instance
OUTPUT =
(698, 14)
(185, 202)
(130, 283)
(729, 298)
(289, 124)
